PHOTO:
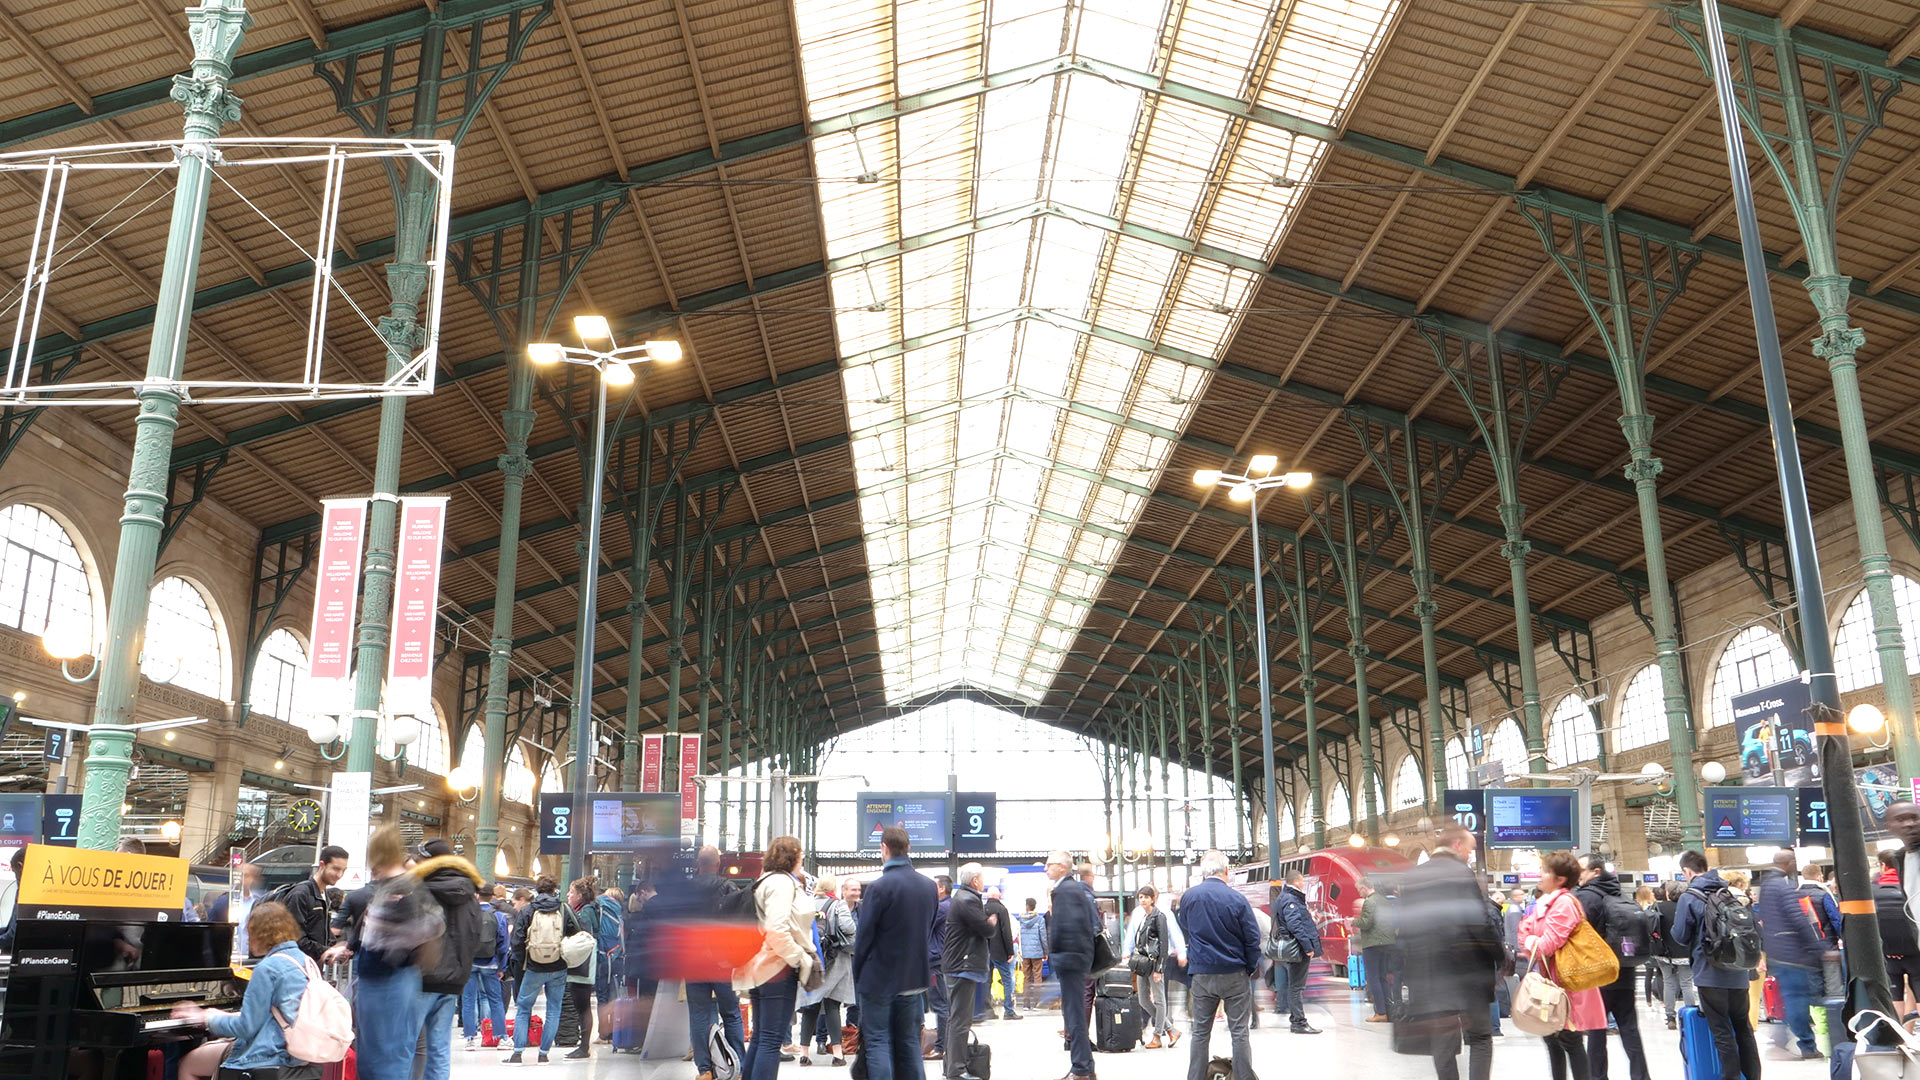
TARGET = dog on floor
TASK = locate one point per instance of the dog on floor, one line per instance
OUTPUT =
(1221, 1069)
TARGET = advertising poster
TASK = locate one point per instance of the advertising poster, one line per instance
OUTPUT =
(922, 814)
(689, 791)
(635, 823)
(348, 822)
(653, 752)
(1776, 735)
(416, 586)
(336, 588)
(80, 883)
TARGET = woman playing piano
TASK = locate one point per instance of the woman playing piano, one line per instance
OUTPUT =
(251, 1039)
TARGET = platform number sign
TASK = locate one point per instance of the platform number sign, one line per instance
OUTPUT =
(60, 819)
(1814, 829)
(556, 823)
(973, 822)
(1468, 806)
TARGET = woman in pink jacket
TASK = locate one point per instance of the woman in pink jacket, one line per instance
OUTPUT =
(1554, 918)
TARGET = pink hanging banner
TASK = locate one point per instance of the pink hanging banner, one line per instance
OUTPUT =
(653, 751)
(689, 768)
(416, 586)
(336, 588)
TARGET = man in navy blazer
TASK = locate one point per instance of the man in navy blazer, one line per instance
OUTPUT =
(1072, 925)
(890, 970)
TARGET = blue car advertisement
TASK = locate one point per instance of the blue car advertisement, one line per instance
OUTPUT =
(1776, 736)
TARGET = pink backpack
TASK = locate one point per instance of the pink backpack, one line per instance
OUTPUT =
(322, 1030)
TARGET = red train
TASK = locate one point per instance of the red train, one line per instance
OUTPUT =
(1332, 894)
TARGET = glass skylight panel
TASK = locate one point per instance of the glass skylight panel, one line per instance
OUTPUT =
(1003, 452)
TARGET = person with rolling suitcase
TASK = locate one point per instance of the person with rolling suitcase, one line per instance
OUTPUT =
(1723, 939)
(1223, 953)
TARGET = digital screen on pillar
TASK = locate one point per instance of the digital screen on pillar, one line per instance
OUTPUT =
(1751, 816)
(922, 813)
(19, 820)
(632, 821)
(1531, 817)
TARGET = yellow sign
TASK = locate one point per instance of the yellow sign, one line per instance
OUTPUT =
(64, 882)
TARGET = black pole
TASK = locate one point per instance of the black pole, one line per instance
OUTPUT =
(1859, 927)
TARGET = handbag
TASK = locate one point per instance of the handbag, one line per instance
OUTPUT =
(979, 1057)
(1585, 962)
(1103, 957)
(1897, 1058)
(575, 948)
(1540, 1007)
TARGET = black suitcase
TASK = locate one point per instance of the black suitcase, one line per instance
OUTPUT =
(1116, 1024)
(1115, 983)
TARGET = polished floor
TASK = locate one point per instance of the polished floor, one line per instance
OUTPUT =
(1029, 1049)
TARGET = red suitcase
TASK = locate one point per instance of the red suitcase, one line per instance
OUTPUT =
(1773, 1007)
(344, 1069)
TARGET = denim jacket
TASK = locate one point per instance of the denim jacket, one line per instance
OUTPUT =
(258, 1041)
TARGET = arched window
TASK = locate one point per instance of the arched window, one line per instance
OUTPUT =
(1288, 828)
(550, 779)
(280, 678)
(1570, 734)
(1756, 657)
(517, 782)
(1856, 661)
(1408, 785)
(1508, 746)
(1459, 767)
(429, 747)
(180, 627)
(1339, 812)
(1642, 719)
(473, 751)
(42, 581)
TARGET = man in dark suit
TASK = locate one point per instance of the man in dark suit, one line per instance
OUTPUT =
(890, 969)
(1453, 953)
(1073, 924)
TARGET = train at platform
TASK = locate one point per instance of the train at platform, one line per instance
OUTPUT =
(1332, 887)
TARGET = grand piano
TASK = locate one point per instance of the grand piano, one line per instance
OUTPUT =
(88, 998)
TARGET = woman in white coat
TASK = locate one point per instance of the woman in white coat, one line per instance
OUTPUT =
(786, 958)
(836, 952)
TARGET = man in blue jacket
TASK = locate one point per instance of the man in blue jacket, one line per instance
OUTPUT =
(1794, 955)
(1223, 949)
(1291, 919)
(1722, 990)
(890, 969)
(1071, 926)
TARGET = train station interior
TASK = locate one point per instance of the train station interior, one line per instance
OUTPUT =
(1199, 424)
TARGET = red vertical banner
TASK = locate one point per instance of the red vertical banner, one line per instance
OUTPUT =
(416, 586)
(336, 588)
(653, 751)
(689, 791)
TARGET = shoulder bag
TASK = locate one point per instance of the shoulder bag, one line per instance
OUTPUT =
(1586, 961)
(1540, 1007)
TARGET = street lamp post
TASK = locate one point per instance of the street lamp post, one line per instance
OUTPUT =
(615, 366)
(1260, 476)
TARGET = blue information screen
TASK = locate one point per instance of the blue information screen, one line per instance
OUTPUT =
(1531, 818)
(922, 813)
(1751, 816)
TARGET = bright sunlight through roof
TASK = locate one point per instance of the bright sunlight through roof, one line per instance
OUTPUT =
(1026, 217)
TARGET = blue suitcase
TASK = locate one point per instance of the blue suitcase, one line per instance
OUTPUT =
(1696, 1046)
(1356, 971)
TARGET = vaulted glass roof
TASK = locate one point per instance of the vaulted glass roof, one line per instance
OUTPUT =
(1024, 316)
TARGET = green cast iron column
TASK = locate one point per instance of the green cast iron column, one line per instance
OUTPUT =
(640, 536)
(515, 467)
(400, 329)
(1303, 634)
(1512, 513)
(216, 28)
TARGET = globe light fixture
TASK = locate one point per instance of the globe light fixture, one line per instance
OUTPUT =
(1713, 772)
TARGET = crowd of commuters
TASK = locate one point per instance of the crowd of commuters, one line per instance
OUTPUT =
(892, 974)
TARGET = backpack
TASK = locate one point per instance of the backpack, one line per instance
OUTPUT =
(489, 946)
(726, 1066)
(1626, 932)
(1729, 932)
(545, 931)
(403, 923)
(322, 1029)
(737, 906)
(609, 935)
